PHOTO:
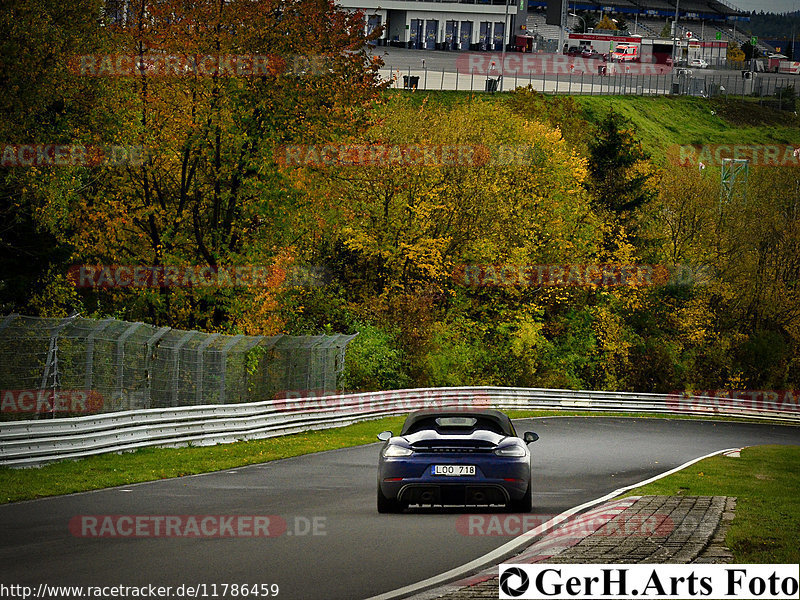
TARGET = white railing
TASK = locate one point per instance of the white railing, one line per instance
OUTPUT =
(34, 442)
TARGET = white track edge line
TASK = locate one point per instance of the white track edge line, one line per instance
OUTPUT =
(525, 538)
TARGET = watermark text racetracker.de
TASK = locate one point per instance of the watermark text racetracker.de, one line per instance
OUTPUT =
(72, 154)
(387, 154)
(713, 155)
(199, 65)
(590, 275)
(50, 401)
(528, 65)
(729, 401)
(196, 526)
(655, 525)
(493, 525)
(175, 65)
(404, 400)
(166, 276)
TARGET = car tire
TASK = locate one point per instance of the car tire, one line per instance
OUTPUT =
(388, 505)
(524, 504)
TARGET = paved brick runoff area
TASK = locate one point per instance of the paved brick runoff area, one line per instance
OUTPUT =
(647, 529)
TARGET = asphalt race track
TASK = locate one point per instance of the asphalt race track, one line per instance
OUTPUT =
(355, 553)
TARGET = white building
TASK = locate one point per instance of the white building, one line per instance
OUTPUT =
(441, 25)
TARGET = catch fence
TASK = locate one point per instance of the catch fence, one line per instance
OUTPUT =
(766, 88)
(77, 366)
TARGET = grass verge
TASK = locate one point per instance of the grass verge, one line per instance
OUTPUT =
(766, 482)
(665, 121)
(150, 464)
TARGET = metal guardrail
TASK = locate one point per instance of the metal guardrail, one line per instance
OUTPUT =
(30, 443)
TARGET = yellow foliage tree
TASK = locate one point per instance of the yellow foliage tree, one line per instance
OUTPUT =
(734, 53)
(606, 23)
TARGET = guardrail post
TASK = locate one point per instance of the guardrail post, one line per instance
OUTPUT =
(222, 380)
(120, 384)
(52, 351)
(201, 350)
(149, 357)
(176, 365)
(338, 365)
(249, 346)
(88, 379)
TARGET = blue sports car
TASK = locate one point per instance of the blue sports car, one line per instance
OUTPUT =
(461, 457)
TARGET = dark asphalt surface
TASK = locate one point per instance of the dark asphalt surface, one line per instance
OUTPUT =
(361, 553)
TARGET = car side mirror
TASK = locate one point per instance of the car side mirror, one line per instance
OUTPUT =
(384, 435)
(529, 437)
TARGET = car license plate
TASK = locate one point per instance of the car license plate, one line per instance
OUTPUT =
(453, 470)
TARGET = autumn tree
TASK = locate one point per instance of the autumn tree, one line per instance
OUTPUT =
(621, 176)
(42, 105)
(517, 198)
(211, 193)
(606, 23)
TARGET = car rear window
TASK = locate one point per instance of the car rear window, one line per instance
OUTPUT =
(456, 425)
(458, 422)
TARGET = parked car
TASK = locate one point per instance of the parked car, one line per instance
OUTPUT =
(592, 54)
(458, 457)
(698, 63)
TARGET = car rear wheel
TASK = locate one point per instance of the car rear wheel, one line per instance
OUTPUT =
(524, 504)
(388, 505)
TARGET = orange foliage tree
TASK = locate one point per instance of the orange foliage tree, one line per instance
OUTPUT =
(220, 86)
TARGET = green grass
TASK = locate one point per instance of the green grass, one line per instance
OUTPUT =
(663, 122)
(149, 464)
(766, 482)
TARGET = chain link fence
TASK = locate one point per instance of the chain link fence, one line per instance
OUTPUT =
(779, 92)
(76, 366)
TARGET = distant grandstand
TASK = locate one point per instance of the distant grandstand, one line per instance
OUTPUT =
(702, 19)
(697, 10)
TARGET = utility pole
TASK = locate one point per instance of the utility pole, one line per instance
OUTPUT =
(506, 33)
(675, 32)
(561, 33)
(572, 14)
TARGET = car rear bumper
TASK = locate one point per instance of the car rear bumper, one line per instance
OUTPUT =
(496, 481)
(453, 493)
